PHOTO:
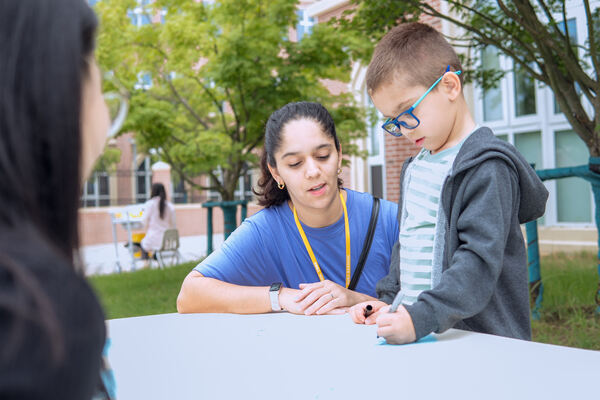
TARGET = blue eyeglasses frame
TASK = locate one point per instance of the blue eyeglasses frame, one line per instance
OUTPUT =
(397, 124)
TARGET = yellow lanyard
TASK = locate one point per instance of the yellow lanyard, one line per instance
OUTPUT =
(309, 249)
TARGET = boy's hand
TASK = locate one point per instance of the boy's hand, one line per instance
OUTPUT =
(396, 328)
(357, 312)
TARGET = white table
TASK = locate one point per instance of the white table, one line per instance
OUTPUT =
(284, 356)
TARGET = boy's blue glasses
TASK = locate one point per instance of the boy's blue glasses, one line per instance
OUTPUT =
(406, 118)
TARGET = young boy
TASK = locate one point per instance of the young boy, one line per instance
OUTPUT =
(461, 260)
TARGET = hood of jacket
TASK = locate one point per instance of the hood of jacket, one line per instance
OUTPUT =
(483, 145)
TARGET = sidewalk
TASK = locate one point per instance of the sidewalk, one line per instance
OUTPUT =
(101, 259)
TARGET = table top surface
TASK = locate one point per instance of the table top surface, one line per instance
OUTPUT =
(280, 355)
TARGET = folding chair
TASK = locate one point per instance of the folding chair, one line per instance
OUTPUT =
(169, 249)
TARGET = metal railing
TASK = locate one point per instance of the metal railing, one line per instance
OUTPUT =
(536, 287)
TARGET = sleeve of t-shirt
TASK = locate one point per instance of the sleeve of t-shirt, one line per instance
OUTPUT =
(241, 260)
(393, 224)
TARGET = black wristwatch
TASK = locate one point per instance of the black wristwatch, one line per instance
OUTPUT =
(274, 296)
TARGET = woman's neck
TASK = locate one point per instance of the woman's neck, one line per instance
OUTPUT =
(321, 217)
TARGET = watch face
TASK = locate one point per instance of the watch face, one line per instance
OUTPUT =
(275, 287)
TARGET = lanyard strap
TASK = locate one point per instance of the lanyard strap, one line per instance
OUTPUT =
(312, 254)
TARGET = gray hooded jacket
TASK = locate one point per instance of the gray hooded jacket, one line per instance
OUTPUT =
(480, 268)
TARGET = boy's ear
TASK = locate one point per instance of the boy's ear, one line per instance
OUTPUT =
(452, 85)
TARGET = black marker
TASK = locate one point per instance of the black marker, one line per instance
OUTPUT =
(368, 310)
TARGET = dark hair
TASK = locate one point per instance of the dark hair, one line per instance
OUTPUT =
(44, 52)
(268, 193)
(414, 49)
(158, 189)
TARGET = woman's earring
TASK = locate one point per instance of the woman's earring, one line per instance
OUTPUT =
(281, 185)
(339, 171)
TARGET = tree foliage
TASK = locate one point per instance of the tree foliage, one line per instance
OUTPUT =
(218, 71)
(108, 160)
(532, 34)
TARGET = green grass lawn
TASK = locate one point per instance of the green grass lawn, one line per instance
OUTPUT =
(143, 292)
(567, 316)
(568, 312)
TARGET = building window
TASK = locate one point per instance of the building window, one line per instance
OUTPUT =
(179, 194)
(143, 181)
(244, 189)
(572, 29)
(524, 92)
(530, 145)
(573, 194)
(96, 191)
(373, 129)
(305, 24)
(492, 98)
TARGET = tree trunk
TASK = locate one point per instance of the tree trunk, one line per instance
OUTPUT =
(594, 148)
(596, 191)
(229, 210)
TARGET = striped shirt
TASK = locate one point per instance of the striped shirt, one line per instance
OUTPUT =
(426, 175)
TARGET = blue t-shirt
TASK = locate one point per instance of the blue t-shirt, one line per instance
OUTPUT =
(267, 248)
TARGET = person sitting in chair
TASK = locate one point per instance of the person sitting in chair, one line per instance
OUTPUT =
(159, 215)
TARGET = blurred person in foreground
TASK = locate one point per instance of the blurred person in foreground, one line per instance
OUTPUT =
(53, 126)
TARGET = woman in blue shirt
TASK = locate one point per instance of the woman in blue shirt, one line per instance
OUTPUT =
(297, 254)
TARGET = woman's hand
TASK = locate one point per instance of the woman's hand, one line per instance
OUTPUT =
(287, 301)
(324, 297)
(357, 312)
(396, 328)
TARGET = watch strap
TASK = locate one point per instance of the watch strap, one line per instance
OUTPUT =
(274, 296)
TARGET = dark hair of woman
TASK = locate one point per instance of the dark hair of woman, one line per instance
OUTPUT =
(268, 193)
(44, 50)
(159, 190)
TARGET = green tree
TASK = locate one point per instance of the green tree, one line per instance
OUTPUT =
(218, 71)
(108, 160)
(532, 34)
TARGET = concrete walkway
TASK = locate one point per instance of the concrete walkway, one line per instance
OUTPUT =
(101, 259)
